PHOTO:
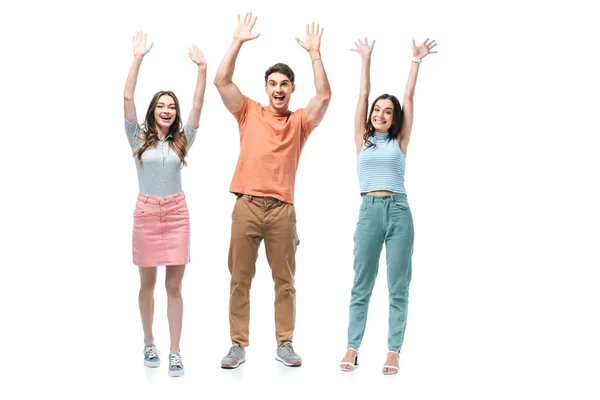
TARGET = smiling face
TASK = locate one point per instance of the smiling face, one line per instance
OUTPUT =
(165, 112)
(382, 115)
(279, 88)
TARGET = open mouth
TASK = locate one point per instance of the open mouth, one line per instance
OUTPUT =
(165, 118)
(279, 99)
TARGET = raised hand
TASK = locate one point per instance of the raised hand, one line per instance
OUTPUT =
(243, 29)
(363, 48)
(140, 48)
(313, 38)
(197, 56)
(424, 48)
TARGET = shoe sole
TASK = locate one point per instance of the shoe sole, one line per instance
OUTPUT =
(151, 364)
(352, 368)
(393, 372)
(229, 366)
(295, 364)
(175, 373)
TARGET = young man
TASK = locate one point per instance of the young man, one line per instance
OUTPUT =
(271, 140)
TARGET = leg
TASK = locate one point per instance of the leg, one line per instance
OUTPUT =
(146, 301)
(368, 242)
(399, 249)
(173, 277)
(280, 246)
(243, 252)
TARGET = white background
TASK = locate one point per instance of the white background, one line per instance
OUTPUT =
(502, 178)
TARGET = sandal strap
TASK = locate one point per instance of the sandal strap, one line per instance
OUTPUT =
(396, 352)
(355, 350)
(390, 366)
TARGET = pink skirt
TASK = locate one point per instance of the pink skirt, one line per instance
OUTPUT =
(161, 231)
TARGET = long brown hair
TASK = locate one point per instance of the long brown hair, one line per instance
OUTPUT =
(150, 135)
(397, 118)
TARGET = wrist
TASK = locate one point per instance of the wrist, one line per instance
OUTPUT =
(314, 54)
(417, 60)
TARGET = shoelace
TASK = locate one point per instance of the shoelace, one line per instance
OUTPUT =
(287, 346)
(233, 351)
(175, 360)
(152, 352)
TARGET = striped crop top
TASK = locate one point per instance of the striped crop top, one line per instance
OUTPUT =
(381, 167)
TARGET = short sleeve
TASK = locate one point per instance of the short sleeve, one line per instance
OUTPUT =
(241, 115)
(132, 129)
(305, 126)
(190, 134)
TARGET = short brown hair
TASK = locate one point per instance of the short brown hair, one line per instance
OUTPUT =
(282, 69)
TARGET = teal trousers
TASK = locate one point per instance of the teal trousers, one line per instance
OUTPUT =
(382, 219)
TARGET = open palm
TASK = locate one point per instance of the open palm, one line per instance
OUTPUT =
(140, 46)
(313, 38)
(424, 48)
(363, 48)
(197, 56)
(243, 29)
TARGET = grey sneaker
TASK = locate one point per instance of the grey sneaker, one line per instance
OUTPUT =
(151, 358)
(234, 358)
(175, 364)
(287, 355)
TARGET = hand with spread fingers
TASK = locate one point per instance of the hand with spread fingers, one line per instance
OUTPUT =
(140, 46)
(197, 56)
(243, 29)
(312, 43)
(363, 48)
(424, 48)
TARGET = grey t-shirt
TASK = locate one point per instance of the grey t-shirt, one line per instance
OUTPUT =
(160, 174)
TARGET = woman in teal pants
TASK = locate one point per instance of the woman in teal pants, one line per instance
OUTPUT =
(385, 217)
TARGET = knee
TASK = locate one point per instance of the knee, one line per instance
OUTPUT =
(362, 291)
(148, 285)
(285, 286)
(173, 289)
(241, 281)
(398, 295)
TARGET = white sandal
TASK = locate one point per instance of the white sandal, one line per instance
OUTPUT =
(393, 367)
(352, 365)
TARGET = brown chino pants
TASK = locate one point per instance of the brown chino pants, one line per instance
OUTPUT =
(256, 218)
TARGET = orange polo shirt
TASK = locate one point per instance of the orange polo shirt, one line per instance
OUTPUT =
(270, 148)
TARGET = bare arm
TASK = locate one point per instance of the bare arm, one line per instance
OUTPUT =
(198, 58)
(140, 49)
(360, 116)
(408, 105)
(317, 106)
(230, 93)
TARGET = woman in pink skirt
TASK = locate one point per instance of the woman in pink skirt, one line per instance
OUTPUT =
(161, 228)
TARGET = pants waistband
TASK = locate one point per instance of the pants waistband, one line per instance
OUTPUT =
(386, 198)
(174, 198)
(266, 199)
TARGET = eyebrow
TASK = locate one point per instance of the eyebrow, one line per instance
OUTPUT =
(387, 108)
(283, 81)
(170, 104)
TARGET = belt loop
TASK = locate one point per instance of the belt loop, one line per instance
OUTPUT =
(372, 199)
(251, 197)
(146, 199)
